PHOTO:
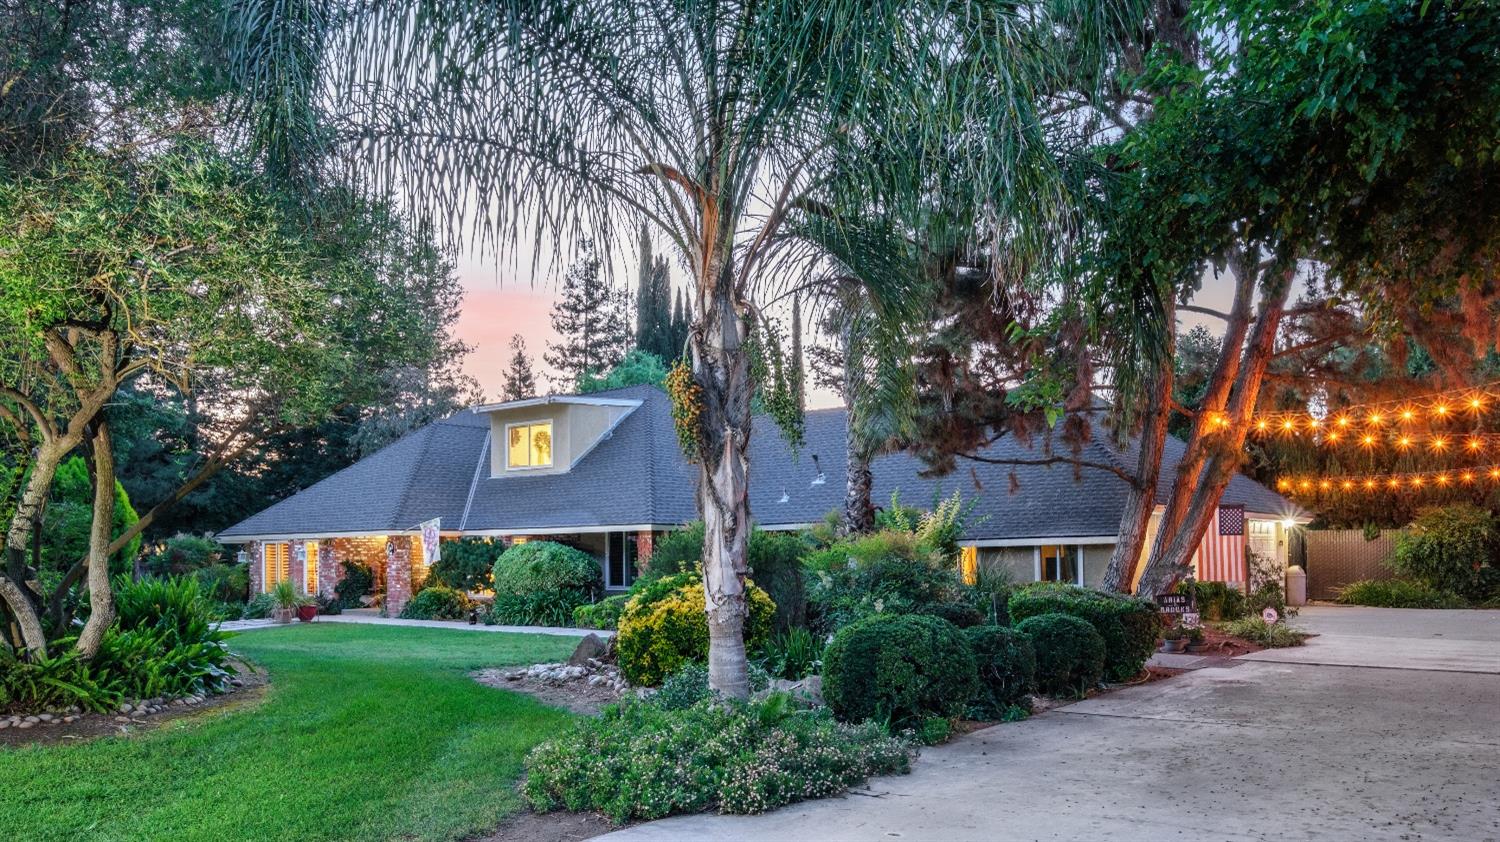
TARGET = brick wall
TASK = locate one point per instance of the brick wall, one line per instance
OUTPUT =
(257, 570)
(398, 573)
(644, 544)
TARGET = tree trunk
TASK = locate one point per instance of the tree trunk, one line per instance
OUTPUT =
(859, 508)
(101, 598)
(721, 369)
(1140, 500)
(1216, 453)
(13, 586)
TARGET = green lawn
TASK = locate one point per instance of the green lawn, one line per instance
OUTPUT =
(367, 732)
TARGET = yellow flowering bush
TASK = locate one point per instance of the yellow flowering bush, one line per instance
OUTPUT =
(662, 629)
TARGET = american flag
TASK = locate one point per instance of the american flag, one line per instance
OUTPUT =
(1221, 555)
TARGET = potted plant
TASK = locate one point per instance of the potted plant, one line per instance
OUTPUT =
(1173, 639)
(307, 610)
(1195, 641)
(287, 601)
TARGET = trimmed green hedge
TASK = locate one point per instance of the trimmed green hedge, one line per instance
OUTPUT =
(1128, 625)
(541, 583)
(1398, 593)
(604, 614)
(1069, 653)
(899, 668)
(1007, 668)
(436, 603)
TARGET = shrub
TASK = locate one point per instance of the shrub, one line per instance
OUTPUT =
(792, 655)
(1398, 593)
(1128, 626)
(960, 614)
(183, 553)
(639, 761)
(1268, 595)
(436, 603)
(882, 573)
(776, 565)
(467, 564)
(539, 583)
(1452, 548)
(989, 593)
(356, 582)
(1215, 600)
(224, 582)
(689, 686)
(164, 644)
(676, 552)
(1007, 669)
(259, 607)
(900, 669)
(1270, 635)
(604, 614)
(1069, 653)
(663, 628)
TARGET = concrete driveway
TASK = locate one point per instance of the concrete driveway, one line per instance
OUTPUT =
(1259, 750)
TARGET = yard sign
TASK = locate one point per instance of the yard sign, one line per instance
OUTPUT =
(432, 551)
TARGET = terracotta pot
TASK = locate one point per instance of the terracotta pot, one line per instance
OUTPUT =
(306, 613)
(281, 615)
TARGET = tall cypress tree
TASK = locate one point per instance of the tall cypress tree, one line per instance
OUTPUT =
(591, 322)
(520, 382)
(653, 313)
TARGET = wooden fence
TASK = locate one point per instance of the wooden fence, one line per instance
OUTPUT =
(1336, 557)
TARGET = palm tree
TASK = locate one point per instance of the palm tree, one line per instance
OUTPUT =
(712, 120)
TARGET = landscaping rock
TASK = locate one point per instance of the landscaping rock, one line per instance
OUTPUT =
(591, 648)
(26, 724)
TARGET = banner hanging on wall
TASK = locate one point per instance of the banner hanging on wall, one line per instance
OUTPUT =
(432, 548)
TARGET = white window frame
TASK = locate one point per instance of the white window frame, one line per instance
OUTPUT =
(551, 452)
(1036, 561)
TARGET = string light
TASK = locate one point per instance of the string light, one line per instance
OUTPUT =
(1441, 405)
(1436, 479)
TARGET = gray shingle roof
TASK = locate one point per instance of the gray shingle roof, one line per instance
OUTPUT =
(637, 476)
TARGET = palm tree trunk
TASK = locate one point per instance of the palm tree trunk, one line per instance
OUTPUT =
(721, 368)
(101, 598)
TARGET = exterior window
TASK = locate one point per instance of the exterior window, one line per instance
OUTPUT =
(529, 445)
(276, 563)
(620, 553)
(310, 567)
(1263, 538)
(1060, 563)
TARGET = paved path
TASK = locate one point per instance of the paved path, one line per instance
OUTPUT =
(1403, 638)
(363, 619)
(1256, 750)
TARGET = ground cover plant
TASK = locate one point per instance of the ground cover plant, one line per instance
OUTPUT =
(1398, 593)
(437, 602)
(1269, 635)
(364, 733)
(640, 761)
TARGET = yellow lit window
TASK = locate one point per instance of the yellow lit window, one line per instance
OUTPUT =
(968, 564)
(277, 565)
(529, 445)
(311, 572)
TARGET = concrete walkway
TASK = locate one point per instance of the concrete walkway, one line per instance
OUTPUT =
(365, 619)
(1252, 750)
(1394, 638)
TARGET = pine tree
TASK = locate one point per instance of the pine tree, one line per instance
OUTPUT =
(653, 307)
(519, 381)
(591, 321)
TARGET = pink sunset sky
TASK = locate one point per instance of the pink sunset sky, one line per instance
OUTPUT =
(512, 298)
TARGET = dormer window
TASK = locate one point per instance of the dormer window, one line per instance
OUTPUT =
(529, 445)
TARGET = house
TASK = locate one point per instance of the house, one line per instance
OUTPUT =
(604, 473)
